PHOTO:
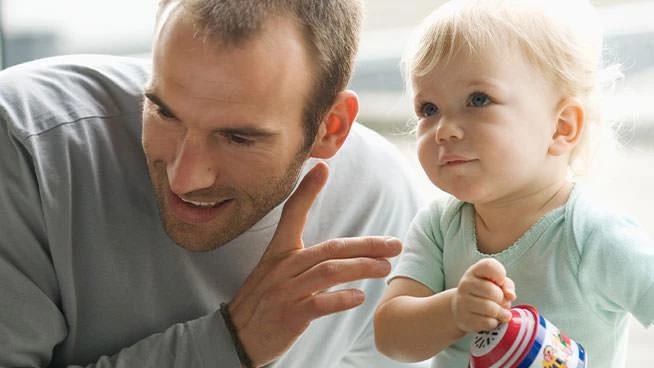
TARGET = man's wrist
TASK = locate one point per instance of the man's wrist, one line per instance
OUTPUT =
(243, 356)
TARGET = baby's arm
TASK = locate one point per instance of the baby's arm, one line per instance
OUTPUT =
(413, 324)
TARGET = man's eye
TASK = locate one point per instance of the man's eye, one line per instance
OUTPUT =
(164, 113)
(239, 140)
(479, 99)
(428, 109)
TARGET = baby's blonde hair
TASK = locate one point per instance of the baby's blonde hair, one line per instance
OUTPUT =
(563, 38)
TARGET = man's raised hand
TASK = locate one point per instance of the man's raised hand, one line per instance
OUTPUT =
(286, 290)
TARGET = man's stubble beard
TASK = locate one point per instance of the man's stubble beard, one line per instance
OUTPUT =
(271, 192)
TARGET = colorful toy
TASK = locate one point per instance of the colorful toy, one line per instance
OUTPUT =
(529, 340)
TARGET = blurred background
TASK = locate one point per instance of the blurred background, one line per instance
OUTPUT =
(31, 29)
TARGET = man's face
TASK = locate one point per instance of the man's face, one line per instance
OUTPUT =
(222, 129)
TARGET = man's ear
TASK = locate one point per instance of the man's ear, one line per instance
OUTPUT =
(336, 125)
(569, 126)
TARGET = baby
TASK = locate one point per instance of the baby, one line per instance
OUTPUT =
(506, 94)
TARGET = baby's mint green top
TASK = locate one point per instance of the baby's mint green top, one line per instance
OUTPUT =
(584, 268)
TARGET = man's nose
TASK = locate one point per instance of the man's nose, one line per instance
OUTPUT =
(193, 168)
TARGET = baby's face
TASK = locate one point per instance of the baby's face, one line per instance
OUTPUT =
(485, 125)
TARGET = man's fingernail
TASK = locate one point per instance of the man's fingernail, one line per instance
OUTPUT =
(382, 265)
(392, 242)
(358, 296)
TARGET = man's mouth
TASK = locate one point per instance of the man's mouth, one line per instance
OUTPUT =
(202, 204)
(197, 211)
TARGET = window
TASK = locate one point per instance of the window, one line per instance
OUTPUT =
(31, 29)
(39, 28)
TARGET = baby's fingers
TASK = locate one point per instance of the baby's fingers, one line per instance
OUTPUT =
(477, 314)
(481, 288)
(480, 323)
(509, 290)
(490, 269)
(489, 309)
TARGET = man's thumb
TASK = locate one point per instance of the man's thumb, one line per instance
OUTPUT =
(288, 236)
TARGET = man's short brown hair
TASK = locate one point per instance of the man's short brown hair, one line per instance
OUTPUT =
(331, 29)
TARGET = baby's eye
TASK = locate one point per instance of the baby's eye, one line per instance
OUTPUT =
(428, 109)
(479, 99)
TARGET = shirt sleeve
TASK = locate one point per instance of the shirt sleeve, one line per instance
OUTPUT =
(32, 323)
(617, 264)
(422, 256)
(204, 342)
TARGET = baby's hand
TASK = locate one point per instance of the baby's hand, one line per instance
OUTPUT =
(483, 298)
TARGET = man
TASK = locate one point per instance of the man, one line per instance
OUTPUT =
(136, 199)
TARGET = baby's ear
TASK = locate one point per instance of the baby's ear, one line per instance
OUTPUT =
(569, 126)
